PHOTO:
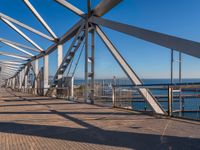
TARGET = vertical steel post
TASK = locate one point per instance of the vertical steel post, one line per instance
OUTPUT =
(22, 76)
(89, 8)
(113, 96)
(13, 83)
(180, 81)
(9, 84)
(72, 88)
(36, 73)
(92, 65)
(6, 83)
(46, 74)
(172, 60)
(20, 80)
(170, 99)
(26, 83)
(180, 67)
(60, 58)
(86, 61)
(25, 78)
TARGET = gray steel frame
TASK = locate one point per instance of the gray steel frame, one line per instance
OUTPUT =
(92, 17)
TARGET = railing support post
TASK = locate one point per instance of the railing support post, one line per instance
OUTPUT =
(170, 98)
(113, 96)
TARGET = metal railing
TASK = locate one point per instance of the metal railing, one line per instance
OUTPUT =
(178, 100)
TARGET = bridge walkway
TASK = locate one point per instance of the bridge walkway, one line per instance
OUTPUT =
(42, 123)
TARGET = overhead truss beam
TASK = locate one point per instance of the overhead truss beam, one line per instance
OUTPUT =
(11, 62)
(104, 6)
(26, 27)
(20, 45)
(182, 45)
(18, 48)
(21, 33)
(15, 56)
(8, 67)
(11, 66)
(71, 7)
(66, 37)
(37, 15)
(8, 70)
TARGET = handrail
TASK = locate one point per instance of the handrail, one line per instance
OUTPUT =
(151, 86)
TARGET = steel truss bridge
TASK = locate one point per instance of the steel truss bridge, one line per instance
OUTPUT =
(14, 73)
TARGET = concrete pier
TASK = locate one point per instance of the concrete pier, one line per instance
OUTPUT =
(28, 122)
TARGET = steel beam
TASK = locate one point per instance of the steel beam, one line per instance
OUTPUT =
(15, 56)
(104, 6)
(130, 73)
(71, 7)
(20, 80)
(10, 62)
(46, 73)
(20, 45)
(13, 83)
(4, 67)
(6, 73)
(11, 65)
(26, 27)
(21, 33)
(172, 64)
(25, 77)
(93, 64)
(180, 67)
(170, 100)
(22, 76)
(6, 76)
(73, 48)
(79, 37)
(18, 48)
(9, 70)
(60, 57)
(36, 70)
(37, 15)
(25, 83)
(182, 45)
(86, 62)
(66, 37)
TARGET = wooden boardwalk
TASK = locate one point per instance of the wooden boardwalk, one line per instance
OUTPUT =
(41, 123)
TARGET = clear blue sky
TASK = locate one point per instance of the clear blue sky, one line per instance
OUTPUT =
(176, 17)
